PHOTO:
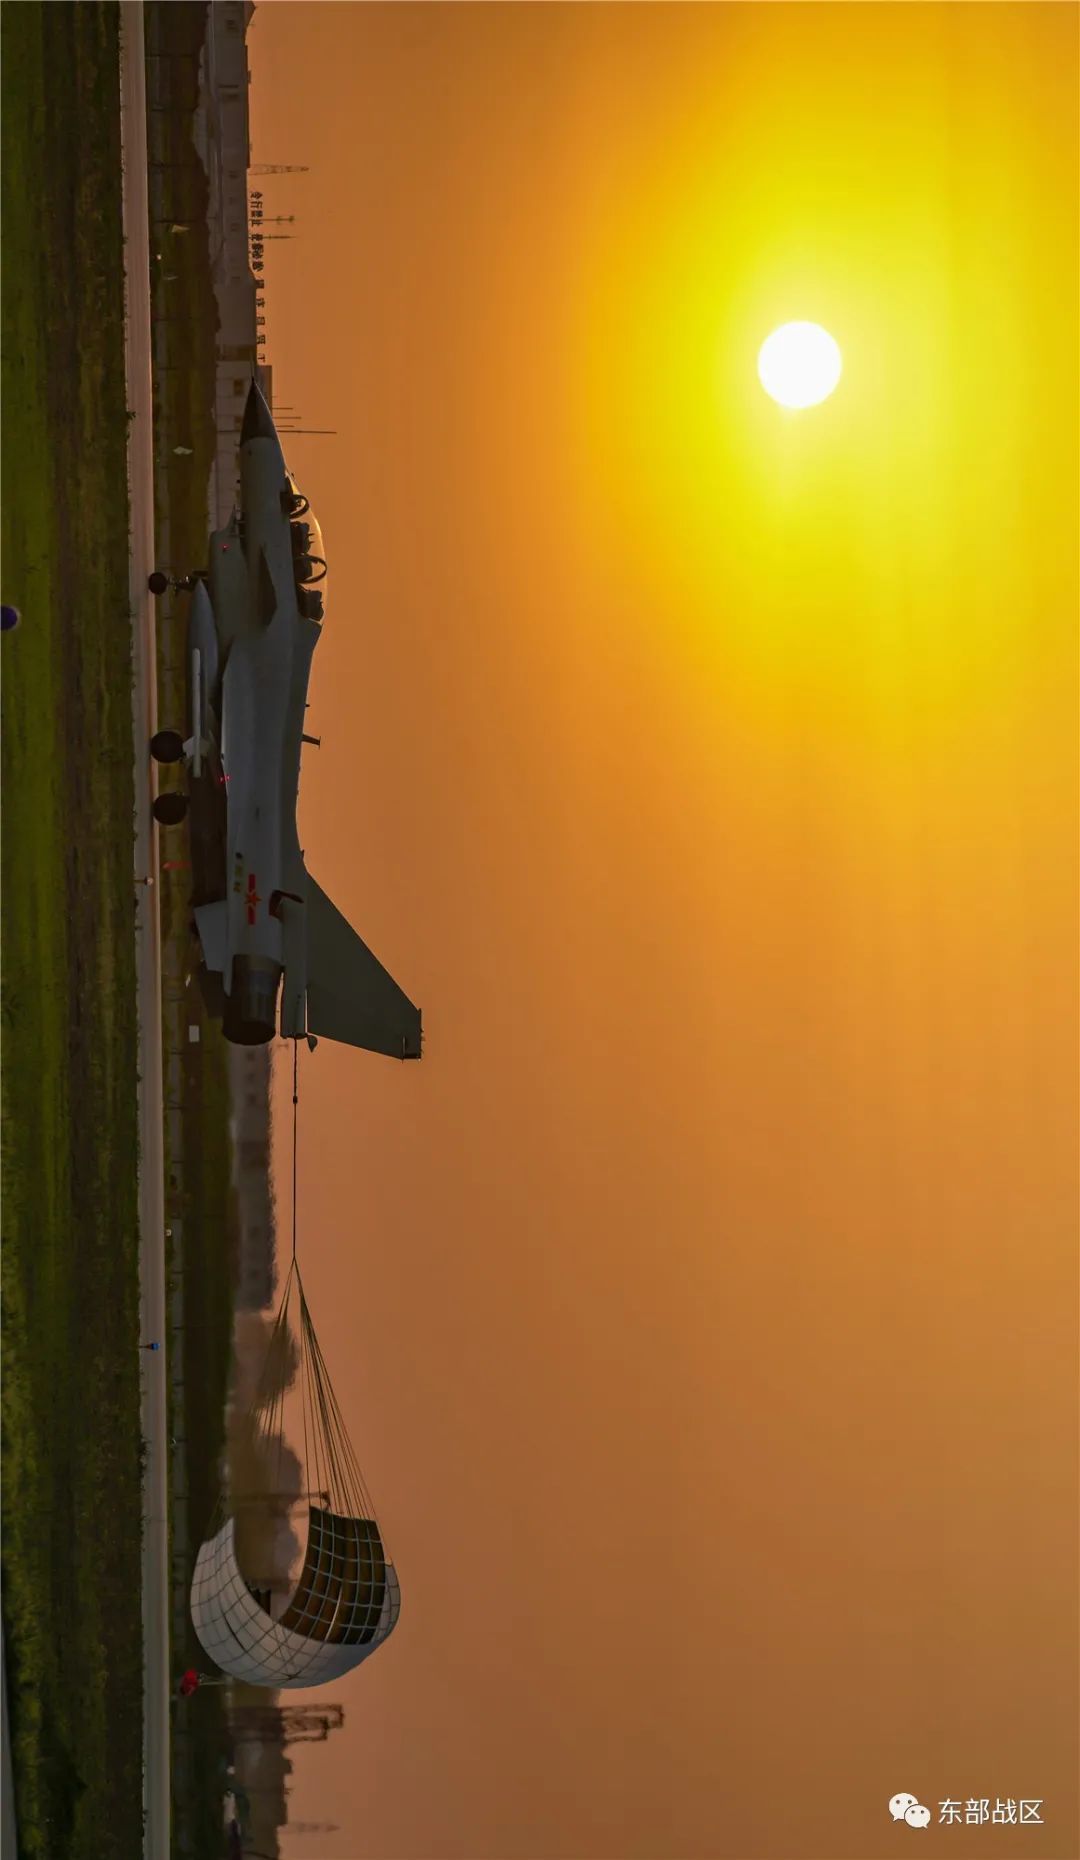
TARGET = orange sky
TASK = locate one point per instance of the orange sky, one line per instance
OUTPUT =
(704, 1307)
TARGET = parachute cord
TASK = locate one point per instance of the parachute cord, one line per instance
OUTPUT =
(295, 1064)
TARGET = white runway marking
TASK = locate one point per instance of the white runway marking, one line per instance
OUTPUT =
(137, 366)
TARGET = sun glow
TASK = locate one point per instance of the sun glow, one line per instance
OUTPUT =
(799, 364)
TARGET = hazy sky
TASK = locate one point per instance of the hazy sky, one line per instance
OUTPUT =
(704, 1306)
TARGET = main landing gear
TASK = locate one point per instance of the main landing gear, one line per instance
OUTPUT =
(167, 746)
(170, 808)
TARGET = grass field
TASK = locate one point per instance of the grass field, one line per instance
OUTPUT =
(209, 1257)
(71, 1516)
(185, 312)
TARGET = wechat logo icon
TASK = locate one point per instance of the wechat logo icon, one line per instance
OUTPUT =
(908, 1808)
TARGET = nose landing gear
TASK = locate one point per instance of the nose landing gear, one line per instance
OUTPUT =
(160, 583)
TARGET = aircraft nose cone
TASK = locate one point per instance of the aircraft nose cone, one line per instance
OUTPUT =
(258, 420)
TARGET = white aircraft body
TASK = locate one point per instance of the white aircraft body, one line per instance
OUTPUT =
(278, 954)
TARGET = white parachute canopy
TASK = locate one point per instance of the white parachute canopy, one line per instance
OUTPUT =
(265, 1612)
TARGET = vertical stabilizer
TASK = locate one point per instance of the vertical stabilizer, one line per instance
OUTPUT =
(350, 996)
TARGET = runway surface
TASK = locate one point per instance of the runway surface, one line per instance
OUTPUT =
(137, 365)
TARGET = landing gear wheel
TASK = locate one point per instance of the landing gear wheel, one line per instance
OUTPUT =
(158, 583)
(167, 746)
(170, 808)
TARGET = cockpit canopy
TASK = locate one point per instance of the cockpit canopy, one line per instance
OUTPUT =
(309, 556)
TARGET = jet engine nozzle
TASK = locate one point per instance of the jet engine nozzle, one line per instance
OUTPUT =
(251, 1007)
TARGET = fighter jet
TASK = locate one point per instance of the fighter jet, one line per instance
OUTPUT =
(277, 953)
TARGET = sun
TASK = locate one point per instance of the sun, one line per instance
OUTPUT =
(799, 364)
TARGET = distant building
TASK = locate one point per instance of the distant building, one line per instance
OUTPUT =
(222, 136)
(249, 1128)
(261, 1731)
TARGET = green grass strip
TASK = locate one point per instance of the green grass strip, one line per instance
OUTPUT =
(70, 1414)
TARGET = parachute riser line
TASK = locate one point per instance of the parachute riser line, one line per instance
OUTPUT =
(295, 1096)
(327, 1448)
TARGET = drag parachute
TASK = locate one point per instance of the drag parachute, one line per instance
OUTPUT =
(293, 1585)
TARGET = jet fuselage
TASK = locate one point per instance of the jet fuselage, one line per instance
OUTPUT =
(261, 567)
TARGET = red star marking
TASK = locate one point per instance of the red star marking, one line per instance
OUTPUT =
(253, 898)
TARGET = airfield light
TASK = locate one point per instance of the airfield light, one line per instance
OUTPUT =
(799, 364)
